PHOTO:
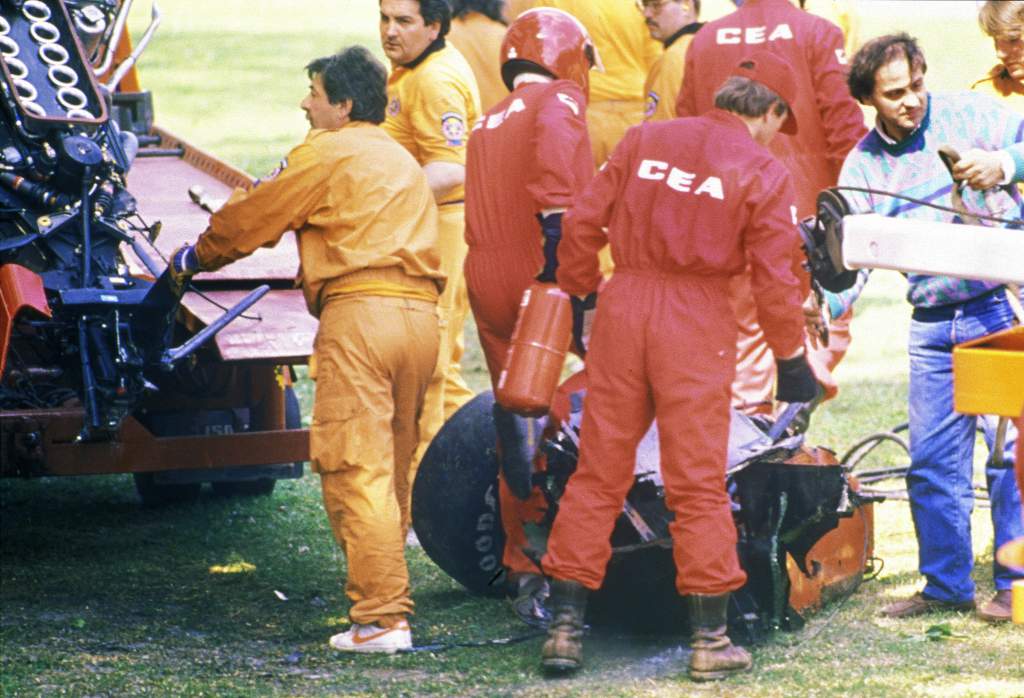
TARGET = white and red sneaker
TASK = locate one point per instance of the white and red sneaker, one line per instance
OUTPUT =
(373, 638)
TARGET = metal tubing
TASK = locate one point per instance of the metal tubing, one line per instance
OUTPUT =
(929, 247)
(92, 418)
(172, 356)
(86, 229)
(127, 63)
(115, 38)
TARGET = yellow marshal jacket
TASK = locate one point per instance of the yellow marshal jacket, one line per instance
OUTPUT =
(431, 109)
(362, 210)
(666, 77)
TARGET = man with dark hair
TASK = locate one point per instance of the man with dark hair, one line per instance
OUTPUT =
(432, 103)
(830, 124)
(686, 203)
(366, 226)
(673, 23)
(900, 155)
(478, 27)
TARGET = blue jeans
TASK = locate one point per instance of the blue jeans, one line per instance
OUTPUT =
(939, 481)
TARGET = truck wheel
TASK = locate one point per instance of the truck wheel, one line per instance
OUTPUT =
(157, 494)
(265, 485)
(455, 499)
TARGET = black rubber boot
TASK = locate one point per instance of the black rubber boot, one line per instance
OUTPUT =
(563, 650)
(714, 656)
(518, 439)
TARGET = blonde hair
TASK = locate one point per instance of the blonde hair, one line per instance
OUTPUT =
(1002, 19)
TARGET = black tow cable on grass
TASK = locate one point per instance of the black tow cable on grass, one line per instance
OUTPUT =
(860, 450)
(929, 204)
(475, 644)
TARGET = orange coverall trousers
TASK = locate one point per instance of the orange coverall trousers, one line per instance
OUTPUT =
(496, 277)
(753, 388)
(662, 347)
(374, 356)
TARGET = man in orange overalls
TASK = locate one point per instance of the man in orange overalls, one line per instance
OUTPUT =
(478, 28)
(432, 103)
(686, 204)
(366, 226)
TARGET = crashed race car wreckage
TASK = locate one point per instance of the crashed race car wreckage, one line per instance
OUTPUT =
(106, 365)
(805, 530)
(805, 534)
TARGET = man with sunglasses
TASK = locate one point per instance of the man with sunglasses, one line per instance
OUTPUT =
(673, 23)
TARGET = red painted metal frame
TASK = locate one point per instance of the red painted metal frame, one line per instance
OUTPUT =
(43, 442)
(20, 289)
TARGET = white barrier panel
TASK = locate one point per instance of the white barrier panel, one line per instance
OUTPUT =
(923, 247)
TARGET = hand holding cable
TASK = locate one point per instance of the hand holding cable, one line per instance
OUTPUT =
(982, 169)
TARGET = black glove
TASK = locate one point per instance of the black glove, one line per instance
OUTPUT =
(796, 381)
(583, 310)
(551, 228)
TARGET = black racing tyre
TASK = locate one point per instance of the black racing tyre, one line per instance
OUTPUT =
(455, 509)
(264, 486)
(158, 494)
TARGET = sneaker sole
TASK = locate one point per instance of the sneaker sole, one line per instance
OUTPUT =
(359, 649)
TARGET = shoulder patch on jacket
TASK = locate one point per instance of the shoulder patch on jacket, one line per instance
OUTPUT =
(453, 128)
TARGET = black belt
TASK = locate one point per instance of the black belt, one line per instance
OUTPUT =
(941, 313)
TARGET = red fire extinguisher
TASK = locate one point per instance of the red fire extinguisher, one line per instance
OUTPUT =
(540, 341)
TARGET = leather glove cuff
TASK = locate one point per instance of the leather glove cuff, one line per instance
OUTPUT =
(795, 381)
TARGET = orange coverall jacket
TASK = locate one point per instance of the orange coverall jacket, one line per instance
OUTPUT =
(323, 192)
(686, 203)
(366, 226)
(478, 38)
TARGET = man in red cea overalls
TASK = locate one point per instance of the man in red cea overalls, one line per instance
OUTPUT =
(529, 156)
(831, 123)
(686, 203)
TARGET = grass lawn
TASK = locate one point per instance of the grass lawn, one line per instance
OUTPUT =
(237, 597)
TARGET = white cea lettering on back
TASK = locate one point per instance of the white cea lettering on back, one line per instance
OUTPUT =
(680, 180)
(752, 35)
(496, 120)
(569, 102)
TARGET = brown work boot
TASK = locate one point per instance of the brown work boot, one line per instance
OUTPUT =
(563, 650)
(998, 609)
(714, 656)
(919, 604)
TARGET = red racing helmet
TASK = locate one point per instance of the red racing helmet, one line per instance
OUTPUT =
(552, 40)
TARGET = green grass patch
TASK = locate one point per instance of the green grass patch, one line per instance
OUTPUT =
(100, 597)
